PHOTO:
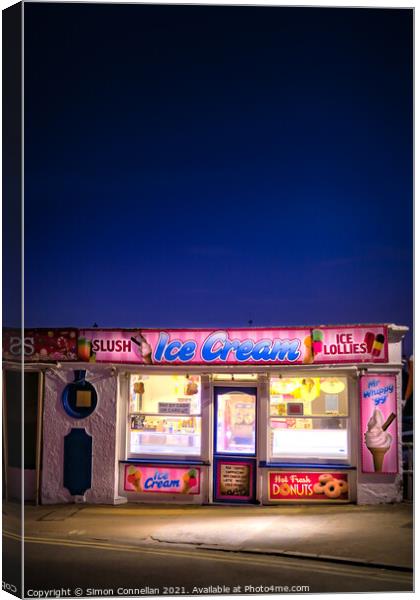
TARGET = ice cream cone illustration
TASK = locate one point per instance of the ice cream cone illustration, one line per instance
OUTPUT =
(378, 455)
(144, 347)
(378, 442)
(134, 477)
(190, 481)
(308, 357)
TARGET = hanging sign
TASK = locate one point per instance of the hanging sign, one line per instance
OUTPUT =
(378, 416)
(323, 345)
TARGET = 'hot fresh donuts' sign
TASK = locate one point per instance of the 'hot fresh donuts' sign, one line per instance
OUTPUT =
(301, 345)
(307, 486)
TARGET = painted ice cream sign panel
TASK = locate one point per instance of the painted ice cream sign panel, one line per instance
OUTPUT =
(379, 424)
(324, 345)
(169, 480)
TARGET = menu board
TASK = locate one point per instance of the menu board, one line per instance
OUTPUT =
(235, 480)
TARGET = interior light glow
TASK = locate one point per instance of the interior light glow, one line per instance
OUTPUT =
(285, 386)
(310, 389)
(332, 385)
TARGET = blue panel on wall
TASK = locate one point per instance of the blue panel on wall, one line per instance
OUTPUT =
(77, 462)
(79, 397)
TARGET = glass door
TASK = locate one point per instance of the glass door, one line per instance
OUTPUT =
(235, 426)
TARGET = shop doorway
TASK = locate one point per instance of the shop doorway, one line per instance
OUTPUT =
(13, 459)
(235, 444)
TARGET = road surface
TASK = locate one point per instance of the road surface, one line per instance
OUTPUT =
(72, 568)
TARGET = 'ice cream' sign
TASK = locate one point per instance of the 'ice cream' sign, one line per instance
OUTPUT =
(378, 423)
(170, 480)
(322, 345)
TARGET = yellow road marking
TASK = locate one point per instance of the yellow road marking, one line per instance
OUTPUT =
(268, 561)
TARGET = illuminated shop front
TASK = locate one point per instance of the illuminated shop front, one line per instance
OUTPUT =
(263, 416)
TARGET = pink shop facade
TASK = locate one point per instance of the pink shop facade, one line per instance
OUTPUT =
(205, 416)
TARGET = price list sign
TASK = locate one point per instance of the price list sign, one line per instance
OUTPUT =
(235, 480)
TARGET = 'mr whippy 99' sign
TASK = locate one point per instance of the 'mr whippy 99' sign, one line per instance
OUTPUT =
(321, 345)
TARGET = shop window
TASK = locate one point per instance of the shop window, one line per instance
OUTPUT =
(165, 415)
(309, 419)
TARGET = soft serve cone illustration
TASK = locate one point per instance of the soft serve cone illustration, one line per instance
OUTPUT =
(378, 442)
(144, 349)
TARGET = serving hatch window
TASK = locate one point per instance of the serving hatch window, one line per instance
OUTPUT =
(165, 415)
(309, 419)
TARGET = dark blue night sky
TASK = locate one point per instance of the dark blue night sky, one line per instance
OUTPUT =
(204, 166)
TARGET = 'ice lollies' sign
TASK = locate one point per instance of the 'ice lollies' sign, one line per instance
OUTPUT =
(378, 411)
(321, 345)
(169, 480)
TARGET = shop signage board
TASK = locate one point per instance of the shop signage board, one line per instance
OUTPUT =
(378, 426)
(42, 345)
(301, 346)
(162, 479)
(311, 486)
(234, 480)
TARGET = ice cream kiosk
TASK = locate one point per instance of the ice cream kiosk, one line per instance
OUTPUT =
(269, 415)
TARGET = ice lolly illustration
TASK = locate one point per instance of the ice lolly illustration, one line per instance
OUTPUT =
(378, 344)
(317, 339)
(190, 481)
(369, 339)
(378, 442)
(308, 357)
(134, 477)
(84, 348)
